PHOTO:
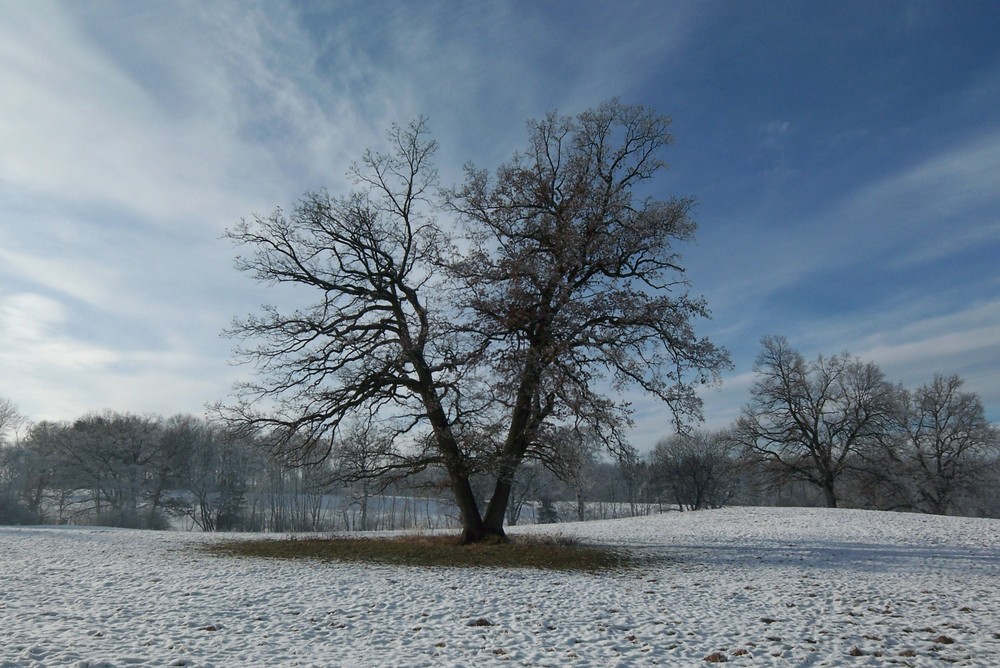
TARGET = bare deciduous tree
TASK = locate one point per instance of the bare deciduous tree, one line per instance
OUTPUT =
(570, 277)
(473, 353)
(810, 419)
(118, 457)
(10, 419)
(697, 468)
(379, 342)
(14, 466)
(949, 443)
(364, 458)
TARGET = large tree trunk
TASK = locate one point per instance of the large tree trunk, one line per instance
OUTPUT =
(936, 503)
(473, 528)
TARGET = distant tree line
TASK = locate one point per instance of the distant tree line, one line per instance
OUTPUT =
(145, 471)
(142, 471)
(831, 431)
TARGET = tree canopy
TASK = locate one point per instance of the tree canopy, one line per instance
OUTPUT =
(476, 344)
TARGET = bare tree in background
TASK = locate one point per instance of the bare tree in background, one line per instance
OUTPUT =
(949, 445)
(810, 420)
(215, 468)
(15, 468)
(364, 458)
(474, 355)
(118, 458)
(11, 420)
(696, 468)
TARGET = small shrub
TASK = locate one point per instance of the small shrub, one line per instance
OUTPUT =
(133, 519)
(12, 512)
(547, 512)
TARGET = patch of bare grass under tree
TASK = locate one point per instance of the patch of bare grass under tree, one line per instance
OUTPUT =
(540, 552)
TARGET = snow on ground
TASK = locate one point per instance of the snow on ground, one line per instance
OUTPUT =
(756, 586)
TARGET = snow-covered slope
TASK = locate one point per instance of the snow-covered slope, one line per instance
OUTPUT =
(751, 585)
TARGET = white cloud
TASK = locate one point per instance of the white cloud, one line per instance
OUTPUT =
(31, 337)
(53, 374)
(26, 317)
(72, 275)
(87, 125)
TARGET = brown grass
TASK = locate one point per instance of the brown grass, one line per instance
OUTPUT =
(540, 552)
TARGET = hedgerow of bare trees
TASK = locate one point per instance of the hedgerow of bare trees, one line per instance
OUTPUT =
(144, 471)
(942, 457)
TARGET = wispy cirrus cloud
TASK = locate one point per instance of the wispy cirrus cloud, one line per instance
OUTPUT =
(60, 373)
(962, 341)
(914, 209)
(82, 126)
(944, 205)
(30, 337)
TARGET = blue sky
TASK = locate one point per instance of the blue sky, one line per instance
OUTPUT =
(846, 157)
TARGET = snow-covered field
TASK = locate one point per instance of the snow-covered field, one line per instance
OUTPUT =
(755, 586)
